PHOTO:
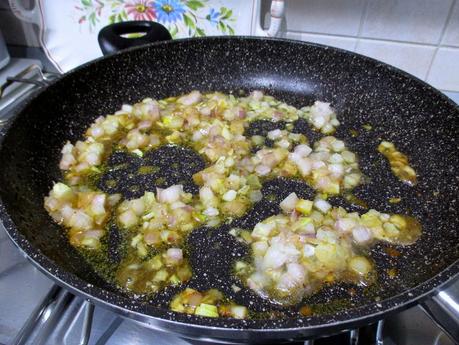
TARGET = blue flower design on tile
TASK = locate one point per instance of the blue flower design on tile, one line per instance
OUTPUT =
(213, 16)
(183, 18)
(169, 11)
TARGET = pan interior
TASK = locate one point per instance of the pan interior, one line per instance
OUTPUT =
(399, 109)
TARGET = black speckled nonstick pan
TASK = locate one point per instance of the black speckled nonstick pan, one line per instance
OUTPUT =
(400, 108)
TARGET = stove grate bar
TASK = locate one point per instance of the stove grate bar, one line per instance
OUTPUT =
(34, 319)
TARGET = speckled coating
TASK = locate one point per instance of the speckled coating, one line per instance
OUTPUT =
(420, 121)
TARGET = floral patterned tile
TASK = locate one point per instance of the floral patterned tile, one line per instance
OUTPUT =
(192, 18)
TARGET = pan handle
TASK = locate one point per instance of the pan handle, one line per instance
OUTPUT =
(443, 309)
(111, 40)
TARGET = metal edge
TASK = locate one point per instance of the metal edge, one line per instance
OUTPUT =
(388, 306)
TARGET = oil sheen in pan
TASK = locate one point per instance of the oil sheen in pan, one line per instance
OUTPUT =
(213, 251)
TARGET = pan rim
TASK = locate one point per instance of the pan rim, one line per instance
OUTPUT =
(80, 287)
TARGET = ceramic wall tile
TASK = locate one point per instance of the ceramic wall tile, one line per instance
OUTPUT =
(334, 41)
(79, 21)
(324, 16)
(414, 59)
(444, 73)
(453, 95)
(419, 21)
(451, 36)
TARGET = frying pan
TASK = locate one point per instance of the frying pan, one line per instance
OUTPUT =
(400, 108)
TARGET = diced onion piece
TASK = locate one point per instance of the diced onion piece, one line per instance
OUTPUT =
(304, 206)
(152, 237)
(274, 134)
(137, 206)
(128, 219)
(274, 258)
(98, 205)
(192, 98)
(206, 310)
(113, 199)
(303, 150)
(259, 248)
(229, 195)
(361, 234)
(338, 145)
(211, 212)
(174, 254)
(169, 195)
(263, 170)
(288, 204)
(257, 95)
(262, 230)
(239, 311)
(305, 166)
(308, 250)
(255, 196)
(360, 265)
(345, 224)
(62, 192)
(322, 205)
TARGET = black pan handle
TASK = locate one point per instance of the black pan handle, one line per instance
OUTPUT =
(111, 41)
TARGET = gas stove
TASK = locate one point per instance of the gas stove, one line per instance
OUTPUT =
(33, 310)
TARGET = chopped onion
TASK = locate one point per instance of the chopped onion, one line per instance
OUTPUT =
(360, 265)
(229, 195)
(211, 212)
(174, 254)
(303, 150)
(128, 219)
(263, 170)
(322, 205)
(192, 98)
(274, 134)
(308, 250)
(361, 234)
(169, 195)
(289, 203)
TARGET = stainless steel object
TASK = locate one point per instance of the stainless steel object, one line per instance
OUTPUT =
(443, 308)
(4, 55)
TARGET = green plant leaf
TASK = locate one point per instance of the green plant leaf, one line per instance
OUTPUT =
(92, 18)
(221, 26)
(111, 19)
(228, 14)
(230, 29)
(87, 3)
(124, 15)
(173, 31)
(200, 32)
(189, 21)
(194, 4)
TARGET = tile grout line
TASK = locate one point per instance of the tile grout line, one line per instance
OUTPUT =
(370, 39)
(252, 19)
(447, 90)
(443, 31)
(362, 20)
